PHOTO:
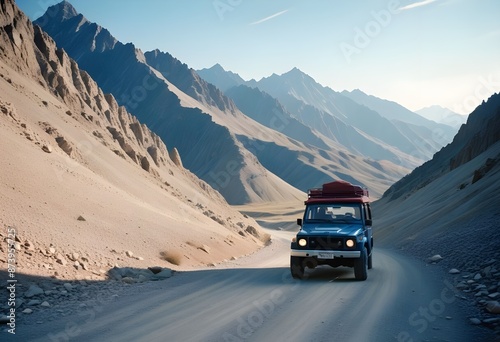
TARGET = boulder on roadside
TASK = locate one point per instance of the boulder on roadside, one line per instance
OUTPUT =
(435, 258)
(33, 290)
(164, 274)
(493, 307)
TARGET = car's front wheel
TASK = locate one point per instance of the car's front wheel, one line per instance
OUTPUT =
(361, 266)
(297, 267)
(370, 260)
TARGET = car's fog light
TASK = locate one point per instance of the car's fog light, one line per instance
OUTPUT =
(302, 242)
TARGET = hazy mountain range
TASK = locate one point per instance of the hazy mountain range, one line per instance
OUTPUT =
(269, 152)
(253, 140)
(443, 115)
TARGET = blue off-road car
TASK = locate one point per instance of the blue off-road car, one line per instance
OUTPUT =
(336, 230)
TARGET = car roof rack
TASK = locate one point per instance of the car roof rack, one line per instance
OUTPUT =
(338, 190)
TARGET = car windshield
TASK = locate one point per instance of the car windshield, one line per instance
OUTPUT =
(338, 212)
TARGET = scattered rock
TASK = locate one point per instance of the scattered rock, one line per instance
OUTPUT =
(27, 311)
(73, 256)
(205, 249)
(155, 269)
(492, 320)
(33, 290)
(435, 258)
(129, 254)
(68, 286)
(453, 271)
(494, 295)
(81, 218)
(493, 307)
(128, 280)
(45, 304)
(29, 245)
(64, 145)
(34, 302)
(475, 321)
(60, 259)
(47, 148)
(164, 274)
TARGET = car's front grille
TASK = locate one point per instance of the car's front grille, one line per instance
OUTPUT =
(325, 242)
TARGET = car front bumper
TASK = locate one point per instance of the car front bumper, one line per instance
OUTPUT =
(320, 254)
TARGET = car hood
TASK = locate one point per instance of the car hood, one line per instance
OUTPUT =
(331, 229)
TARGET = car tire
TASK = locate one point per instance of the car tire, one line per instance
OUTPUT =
(297, 267)
(361, 266)
(370, 260)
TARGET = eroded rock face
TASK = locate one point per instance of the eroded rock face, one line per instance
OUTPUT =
(33, 52)
(175, 157)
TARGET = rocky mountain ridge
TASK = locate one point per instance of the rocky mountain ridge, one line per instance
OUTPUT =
(359, 128)
(479, 133)
(235, 153)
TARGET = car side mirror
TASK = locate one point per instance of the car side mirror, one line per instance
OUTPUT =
(299, 222)
(368, 222)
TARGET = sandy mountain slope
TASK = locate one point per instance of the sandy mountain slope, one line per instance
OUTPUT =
(459, 184)
(81, 176)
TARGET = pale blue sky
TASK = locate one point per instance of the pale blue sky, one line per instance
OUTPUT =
(415, 52)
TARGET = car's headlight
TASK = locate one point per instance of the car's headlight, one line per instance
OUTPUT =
(349, 243)
(302, 242)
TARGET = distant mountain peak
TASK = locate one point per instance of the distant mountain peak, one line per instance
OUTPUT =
(295, 71)
(64, 17)
(434, 107)
(218, 67)
(63, 10)
(356, 91)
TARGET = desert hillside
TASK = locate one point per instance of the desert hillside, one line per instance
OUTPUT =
(460, 182)
(85, 185)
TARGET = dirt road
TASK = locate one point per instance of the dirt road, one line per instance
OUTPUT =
(255, 299)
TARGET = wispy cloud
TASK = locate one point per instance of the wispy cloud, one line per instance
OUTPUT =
(416, 4)
(269, 18)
